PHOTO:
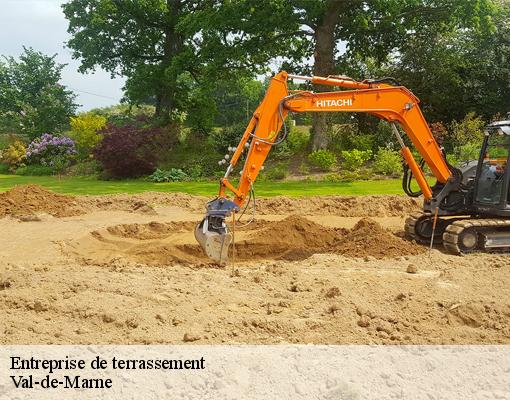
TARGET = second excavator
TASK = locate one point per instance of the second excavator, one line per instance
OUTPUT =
(468, 209)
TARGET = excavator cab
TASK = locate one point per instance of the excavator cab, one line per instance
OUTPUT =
(493, 175)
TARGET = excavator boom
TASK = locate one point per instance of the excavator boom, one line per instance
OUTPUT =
(394, 104)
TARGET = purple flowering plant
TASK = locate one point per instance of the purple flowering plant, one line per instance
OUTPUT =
(51, 151)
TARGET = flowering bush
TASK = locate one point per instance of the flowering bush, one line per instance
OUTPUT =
(51, 151)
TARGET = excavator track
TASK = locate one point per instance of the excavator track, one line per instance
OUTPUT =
(471, 235)
(418, 227)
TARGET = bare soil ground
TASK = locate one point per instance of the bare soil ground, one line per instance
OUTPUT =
(335, 270)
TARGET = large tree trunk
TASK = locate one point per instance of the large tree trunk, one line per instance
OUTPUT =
(325, 43)
(165, 95)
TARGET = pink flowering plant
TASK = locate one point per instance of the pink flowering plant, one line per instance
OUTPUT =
(51, 151)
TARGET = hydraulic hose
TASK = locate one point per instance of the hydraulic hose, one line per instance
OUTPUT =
(407, 179)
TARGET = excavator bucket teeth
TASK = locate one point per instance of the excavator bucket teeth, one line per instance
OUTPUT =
(214, 244)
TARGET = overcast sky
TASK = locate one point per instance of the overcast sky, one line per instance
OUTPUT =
(41, 24)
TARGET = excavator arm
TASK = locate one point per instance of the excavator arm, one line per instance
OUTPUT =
(394, 104)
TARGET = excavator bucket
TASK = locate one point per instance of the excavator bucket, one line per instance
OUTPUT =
(212, 232)
(214, 244)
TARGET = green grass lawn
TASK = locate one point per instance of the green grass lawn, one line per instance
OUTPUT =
(86, 185)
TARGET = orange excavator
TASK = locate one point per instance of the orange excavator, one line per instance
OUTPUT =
(467, 209)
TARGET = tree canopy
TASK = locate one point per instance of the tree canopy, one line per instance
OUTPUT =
(32, 101)
(181, 55)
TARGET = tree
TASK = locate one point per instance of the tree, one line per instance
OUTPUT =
(331, 30)
(32, 101)
(171, 51)
(470, 67)
(146, 41)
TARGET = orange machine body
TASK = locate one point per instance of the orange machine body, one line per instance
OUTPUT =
(394, 104)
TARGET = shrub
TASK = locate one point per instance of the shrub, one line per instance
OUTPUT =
(304, 169)
(349, 176)
(438, 129)
(468, 151)
(332, 178)
(322, 159)
(281, 151)
(298, 138)
(35, 170)
(56, 152)
(387, 162)
(277, 172)
(227, 137)
(14, 155)
(343, 136)
(84, 168)
(85, 130)
(129, 151)
(470, 129)
(124, 114)
(383, 136)
(173, 175)
(354, 159)
(195, 171)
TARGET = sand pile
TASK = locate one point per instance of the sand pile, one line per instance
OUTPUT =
(26, 200)
(368, 238)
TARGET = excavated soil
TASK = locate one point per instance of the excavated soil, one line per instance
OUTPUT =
(34, 199)
(292, 238)
(369, 239)
(334, 270)
(27, 200)
(341, 206)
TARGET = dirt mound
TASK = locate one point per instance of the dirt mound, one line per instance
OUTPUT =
(342, 206)
(144, 202)
(297, 238)
(153, 243)
(293, 238)
(24, 200)
(368, 238)
(152, 230)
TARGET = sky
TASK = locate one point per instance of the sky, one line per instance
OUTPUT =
(40, 24)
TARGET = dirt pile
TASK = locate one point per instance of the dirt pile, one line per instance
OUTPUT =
(368, 238)
(296, 238)
(26, 200)
(152, 230)
(140, 202)
(293, 238)
(341, 206)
